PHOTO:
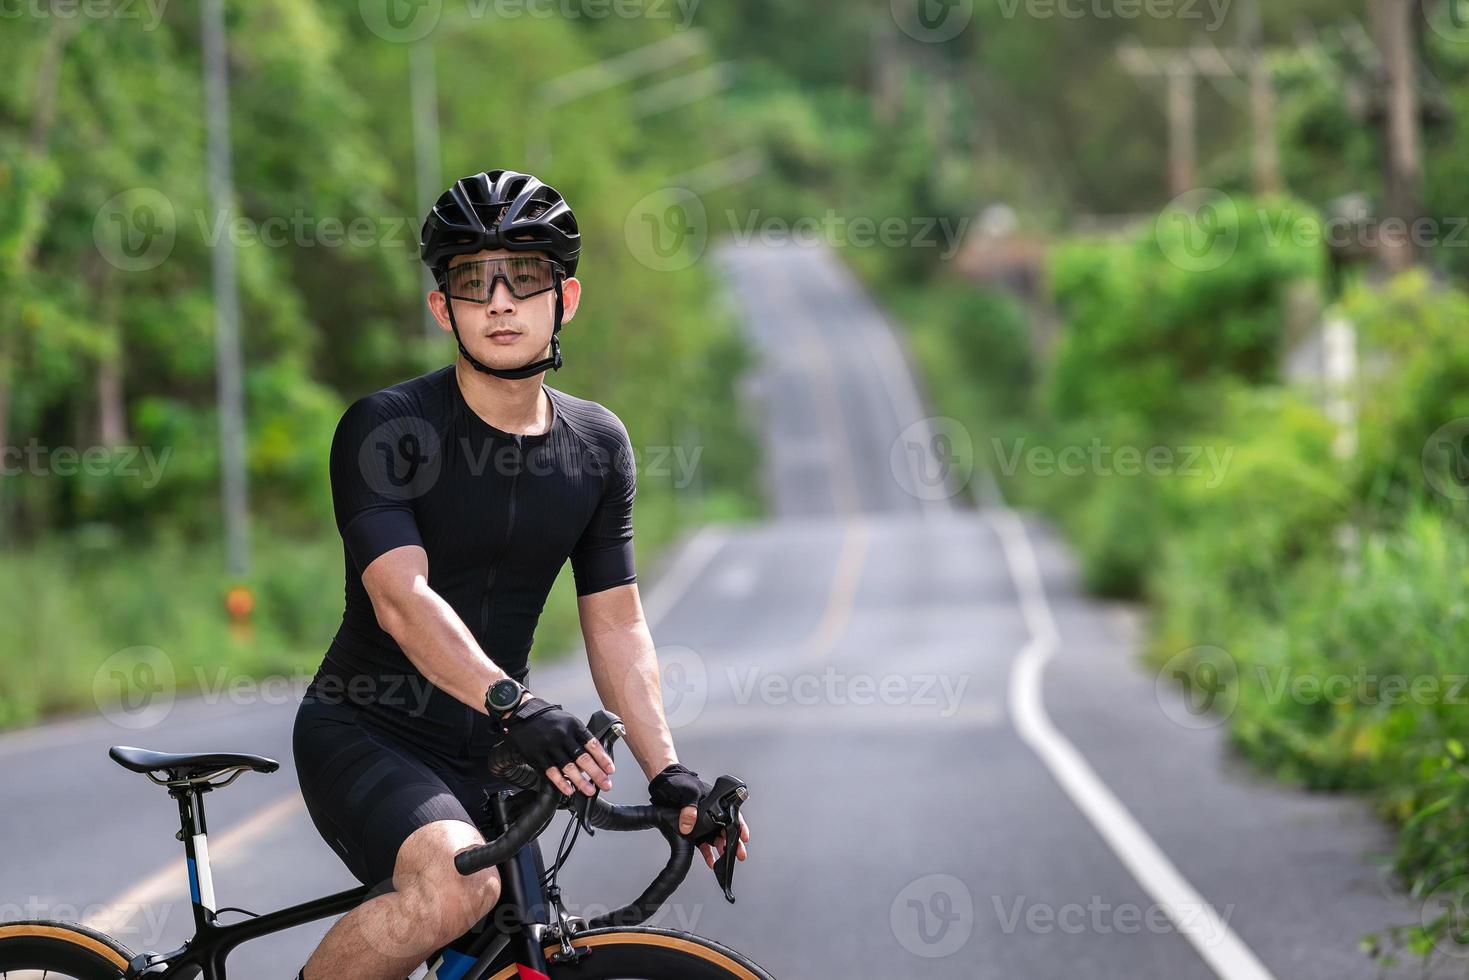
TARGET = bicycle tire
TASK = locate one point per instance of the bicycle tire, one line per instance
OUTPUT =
(62, 949)
(647, 954)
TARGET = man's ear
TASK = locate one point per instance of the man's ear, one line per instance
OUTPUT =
(570, 298)
(438, 305)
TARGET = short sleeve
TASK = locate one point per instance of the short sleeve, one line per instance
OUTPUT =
(382, 459)
(603, 557)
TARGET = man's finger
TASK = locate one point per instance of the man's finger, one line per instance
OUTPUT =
(686, 818)
(595, 750)
(579, 779)
(595, 771)
(558, 779)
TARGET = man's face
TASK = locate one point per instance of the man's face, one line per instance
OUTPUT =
(505, 332)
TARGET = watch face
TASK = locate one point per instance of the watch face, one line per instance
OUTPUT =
(504, 694)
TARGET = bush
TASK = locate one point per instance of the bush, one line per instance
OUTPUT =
(1148, 336)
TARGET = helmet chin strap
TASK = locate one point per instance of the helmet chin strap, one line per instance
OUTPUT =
(530, 370)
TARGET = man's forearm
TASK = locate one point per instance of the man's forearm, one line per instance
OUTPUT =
(437, 642)
(624, 668)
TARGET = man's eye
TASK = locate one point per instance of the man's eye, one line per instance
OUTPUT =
(524, 278)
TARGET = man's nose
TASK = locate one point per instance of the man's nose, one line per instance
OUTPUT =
(501, 300)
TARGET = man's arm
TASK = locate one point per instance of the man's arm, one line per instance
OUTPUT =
(428, 629)
(438, 643)
(624, 668)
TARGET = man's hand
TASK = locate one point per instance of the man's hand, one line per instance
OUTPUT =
(712, 850)
(555, 741)
(680, 786)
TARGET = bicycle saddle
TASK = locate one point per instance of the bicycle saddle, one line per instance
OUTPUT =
(185, 766)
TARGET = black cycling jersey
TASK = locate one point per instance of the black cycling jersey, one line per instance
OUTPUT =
(498, 515)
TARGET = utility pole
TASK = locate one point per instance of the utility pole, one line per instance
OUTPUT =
(1182, 67)
(1265, 150)
(425, 99)
(1182, 129)
(226, 294)
(886, 80)
(1403, 180)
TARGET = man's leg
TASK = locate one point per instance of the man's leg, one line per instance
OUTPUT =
(432, 904)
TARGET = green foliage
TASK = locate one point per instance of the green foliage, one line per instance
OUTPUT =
(95, 325)
(1416, 383)
(88, 595)
(1148, 332)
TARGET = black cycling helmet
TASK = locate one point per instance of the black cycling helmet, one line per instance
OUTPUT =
(499, 209)
(509, 210)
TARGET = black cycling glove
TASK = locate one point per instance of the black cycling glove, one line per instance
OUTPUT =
(678, 786)
(545, 735)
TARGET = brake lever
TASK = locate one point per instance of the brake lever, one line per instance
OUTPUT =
(724, 867)
(606, 728)
(720, 810)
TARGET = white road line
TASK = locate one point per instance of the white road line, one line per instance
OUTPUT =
(1197, 920)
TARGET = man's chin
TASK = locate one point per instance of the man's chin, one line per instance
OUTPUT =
(511, 357)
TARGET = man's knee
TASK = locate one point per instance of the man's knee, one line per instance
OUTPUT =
(444, 903)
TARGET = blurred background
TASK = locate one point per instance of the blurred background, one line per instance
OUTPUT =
(1183, 280)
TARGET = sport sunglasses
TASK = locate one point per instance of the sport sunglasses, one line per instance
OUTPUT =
(524, 275)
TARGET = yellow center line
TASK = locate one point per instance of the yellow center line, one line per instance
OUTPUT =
(842, 598)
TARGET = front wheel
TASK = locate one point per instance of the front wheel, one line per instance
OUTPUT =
(54, 950)
(647, 954)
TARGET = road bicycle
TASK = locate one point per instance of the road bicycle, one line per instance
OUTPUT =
(528, 934)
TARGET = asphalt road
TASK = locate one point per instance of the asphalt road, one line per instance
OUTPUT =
(958, 767)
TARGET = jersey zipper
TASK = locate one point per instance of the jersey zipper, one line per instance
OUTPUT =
(485, 603)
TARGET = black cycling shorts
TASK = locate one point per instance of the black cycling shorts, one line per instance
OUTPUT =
(368, 790)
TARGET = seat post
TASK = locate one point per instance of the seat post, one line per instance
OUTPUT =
(193, 831)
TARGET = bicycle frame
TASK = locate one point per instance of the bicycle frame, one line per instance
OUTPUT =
(518, 916)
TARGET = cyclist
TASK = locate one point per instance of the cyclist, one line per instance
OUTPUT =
(459, 496)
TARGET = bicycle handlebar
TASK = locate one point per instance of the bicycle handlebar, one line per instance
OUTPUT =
(720, 809)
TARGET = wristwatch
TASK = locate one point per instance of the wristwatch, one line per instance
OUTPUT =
(503, 697)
